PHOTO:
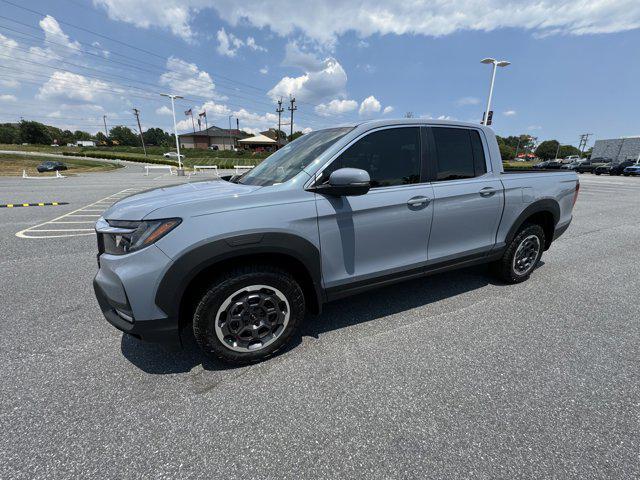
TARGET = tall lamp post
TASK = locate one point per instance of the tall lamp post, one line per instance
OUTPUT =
(175, 129)
(496, 64)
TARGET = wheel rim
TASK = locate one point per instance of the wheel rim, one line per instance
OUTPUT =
(526, 255)
(252, 318)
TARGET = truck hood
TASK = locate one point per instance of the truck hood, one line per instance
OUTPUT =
(139, 205)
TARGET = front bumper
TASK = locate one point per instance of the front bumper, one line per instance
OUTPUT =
(163, 330)
(125, 287)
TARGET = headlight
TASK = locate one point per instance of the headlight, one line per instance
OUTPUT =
(120, 237)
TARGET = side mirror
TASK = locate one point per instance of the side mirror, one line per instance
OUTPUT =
(346, 182)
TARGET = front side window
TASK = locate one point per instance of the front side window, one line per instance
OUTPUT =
(459, 152)
(390, 156)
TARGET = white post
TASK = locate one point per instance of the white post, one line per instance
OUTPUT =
(493, 79)
(175, 129)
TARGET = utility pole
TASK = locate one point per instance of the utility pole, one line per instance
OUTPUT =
(292, 109)
(230, 139)
(180, 171)
(136, 112)
(557, 150)
(238, 124)
(584, 138)
(104, 119)
(279, 111)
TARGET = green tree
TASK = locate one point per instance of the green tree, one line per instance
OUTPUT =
(295, 135)
(566, 150)
(34, 132)
(9, 133)
(156, 136)
(506, 152)
(547, 149)
(81, 135)
(101, 139)
(124, 136)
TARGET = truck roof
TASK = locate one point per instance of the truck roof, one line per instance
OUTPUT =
(413, 121)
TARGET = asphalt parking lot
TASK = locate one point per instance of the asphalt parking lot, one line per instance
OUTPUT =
(451, 376)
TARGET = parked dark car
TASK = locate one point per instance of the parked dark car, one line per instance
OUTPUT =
(613, 168)
(548, 165)
(51, 167)
(571, 166)
(590, 165)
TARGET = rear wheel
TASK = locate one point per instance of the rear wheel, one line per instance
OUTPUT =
(248, 314)
(522, 254)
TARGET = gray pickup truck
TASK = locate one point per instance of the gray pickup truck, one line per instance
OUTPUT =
(241, 261)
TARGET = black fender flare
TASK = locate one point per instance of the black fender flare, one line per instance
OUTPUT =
(201, 256)
(545, 205)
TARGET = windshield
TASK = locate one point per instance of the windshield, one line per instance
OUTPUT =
(287, 162)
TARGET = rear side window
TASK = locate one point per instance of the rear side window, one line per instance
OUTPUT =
(459, 153)
(391, 156)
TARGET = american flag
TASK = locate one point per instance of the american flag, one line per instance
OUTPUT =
(203, 114)
(188, 112)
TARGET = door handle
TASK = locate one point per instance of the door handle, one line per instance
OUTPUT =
(418, 201)
(487, 191)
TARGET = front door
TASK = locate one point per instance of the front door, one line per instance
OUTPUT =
(384, 233)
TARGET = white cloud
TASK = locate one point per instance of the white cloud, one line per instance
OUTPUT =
(336, 107)
(509, 113)
(446, 117)
(264, 70)
(163, 110)
(326, 20)
(534, 127)
(71, 86)
(387, 109)
(173, 15)
(229, 44)
(295, 56)
(186, 78)
(329, 81)
(369, 106)
(8, 98)
(53, 33)
(461, 102)
(251, 43)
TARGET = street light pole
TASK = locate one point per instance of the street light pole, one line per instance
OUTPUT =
(496, 64)
(175, 129)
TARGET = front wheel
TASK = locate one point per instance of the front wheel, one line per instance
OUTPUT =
(521, 255)
(248, 314)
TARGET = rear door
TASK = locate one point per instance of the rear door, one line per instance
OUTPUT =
(468, 198)
(384, 233)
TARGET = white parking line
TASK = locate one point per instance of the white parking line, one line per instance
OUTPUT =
(37, 231)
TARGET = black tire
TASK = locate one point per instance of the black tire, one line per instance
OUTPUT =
(505, 268)
(226, 286)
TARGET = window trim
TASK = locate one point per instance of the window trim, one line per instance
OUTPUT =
(423, 179)
(432, 156)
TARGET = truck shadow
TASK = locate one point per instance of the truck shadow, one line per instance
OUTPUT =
(359, 309)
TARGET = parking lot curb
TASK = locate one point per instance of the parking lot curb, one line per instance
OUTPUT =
(39, 204)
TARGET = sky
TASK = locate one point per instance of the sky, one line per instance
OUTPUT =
(575, 65)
